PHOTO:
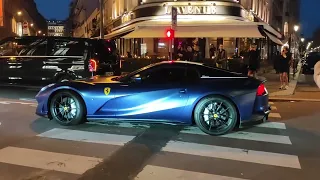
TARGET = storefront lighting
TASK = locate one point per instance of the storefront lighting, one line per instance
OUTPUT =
(31, 24)
(190, 18)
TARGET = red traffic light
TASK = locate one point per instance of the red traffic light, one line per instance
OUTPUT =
(170, 33)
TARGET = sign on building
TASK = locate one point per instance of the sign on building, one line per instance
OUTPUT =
(25, 28)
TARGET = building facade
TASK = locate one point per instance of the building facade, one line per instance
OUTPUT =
(56, 28)
(139, 25)
(235, 24)
(85, 18)
(20, 17)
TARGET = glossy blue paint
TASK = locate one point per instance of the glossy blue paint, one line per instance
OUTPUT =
(169, 102)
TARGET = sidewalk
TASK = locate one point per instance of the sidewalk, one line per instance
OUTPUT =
(273, 83)
(301, 87)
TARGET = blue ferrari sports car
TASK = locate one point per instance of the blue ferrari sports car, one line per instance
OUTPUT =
(186, 93)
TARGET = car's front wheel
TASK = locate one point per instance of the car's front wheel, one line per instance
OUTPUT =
(67, 108)
(215, 115)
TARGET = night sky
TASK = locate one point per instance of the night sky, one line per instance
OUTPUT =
(58, 9)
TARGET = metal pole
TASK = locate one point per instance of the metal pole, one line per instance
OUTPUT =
(101, 19)
(170, 49)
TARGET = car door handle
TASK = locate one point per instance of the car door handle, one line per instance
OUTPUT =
(183, 90)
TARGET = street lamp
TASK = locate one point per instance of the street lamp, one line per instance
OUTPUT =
(19, 13)
(296, 28)
(302, 39)
(31, 24)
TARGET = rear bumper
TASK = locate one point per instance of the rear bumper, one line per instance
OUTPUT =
(260, 111)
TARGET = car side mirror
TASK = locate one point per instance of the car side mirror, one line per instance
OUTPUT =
(136, 79)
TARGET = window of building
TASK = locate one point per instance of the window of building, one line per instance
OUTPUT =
(1, 12)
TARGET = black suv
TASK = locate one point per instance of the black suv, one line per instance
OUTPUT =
(41, 60)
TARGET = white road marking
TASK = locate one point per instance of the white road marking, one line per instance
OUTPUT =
(274, 115)
(275, 125)
(16, 102)
(244, 155)
(245, 135)
(28, 99)
(48, 160)
(85, 136)
(162, 173)
(3, 102)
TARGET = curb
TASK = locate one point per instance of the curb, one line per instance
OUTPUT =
(281, 99)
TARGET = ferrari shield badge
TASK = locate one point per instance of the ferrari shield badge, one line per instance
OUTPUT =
(107, 91)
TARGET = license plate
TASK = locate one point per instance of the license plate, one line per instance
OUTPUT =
(109, 73)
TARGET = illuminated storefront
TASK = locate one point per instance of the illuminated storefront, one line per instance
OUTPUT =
(142, 30)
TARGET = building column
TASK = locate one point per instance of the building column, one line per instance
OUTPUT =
(207, 48)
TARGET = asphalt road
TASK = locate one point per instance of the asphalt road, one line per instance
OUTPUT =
(33, 148)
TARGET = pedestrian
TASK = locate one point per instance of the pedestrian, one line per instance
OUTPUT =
(212, 51)
(180, 52)
(253, 63)
(221, 56)
(284, 66)
(276, 62)
(189, 55)
(316, 75)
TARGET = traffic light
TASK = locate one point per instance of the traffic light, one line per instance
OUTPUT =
(170, 33)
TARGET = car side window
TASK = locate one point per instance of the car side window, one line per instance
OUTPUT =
(67, 47)
(193, 74)
(24, 47)
(8, 48)
(164, 75)
(206, 71)
(32, 47)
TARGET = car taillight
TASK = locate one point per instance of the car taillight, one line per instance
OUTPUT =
(92, 65)
(261, 90)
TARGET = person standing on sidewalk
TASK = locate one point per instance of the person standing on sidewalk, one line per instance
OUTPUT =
(253, 63)
(284, 65)
(316, 75)
(221, 55)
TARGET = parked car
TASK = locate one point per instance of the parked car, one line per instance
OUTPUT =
(179, 92)
(42, 60)
(309, 62)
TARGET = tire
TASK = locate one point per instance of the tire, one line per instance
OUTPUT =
(218, 112)
(76, 108)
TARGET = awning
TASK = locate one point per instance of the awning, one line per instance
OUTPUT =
(118, 34)
(274, 38)
(237, 31)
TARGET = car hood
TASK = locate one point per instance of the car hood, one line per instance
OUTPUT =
(99, 79)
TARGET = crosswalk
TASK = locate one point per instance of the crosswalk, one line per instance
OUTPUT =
(188, 155)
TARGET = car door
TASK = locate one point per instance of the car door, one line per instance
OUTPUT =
(160, 95)
(11, 68)
(66, 57)
(33, 55)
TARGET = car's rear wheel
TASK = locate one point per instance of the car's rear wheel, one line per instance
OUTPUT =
(215, 115)
(67, 108)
